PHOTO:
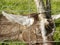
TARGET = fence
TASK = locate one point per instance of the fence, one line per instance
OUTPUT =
(23, 7)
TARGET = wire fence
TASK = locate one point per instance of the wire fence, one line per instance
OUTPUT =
(30, 8)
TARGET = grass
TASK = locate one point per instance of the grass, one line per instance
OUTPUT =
(28, 6)
(18, 7)
(55, 6)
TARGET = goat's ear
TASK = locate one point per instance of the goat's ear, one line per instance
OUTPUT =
(56, 16)
(48, 8)
(23, 20)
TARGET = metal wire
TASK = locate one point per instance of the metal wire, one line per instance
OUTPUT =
(29, 12)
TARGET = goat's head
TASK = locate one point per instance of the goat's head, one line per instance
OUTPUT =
(49, 23)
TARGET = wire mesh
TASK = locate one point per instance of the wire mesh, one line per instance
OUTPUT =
(28, 8)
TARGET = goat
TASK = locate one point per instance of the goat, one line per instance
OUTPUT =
(28, 31)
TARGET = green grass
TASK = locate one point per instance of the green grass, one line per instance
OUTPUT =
(55, 6)
(18, 7)
(11, 43)
(28, 6)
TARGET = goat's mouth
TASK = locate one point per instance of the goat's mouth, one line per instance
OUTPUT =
(49, 27)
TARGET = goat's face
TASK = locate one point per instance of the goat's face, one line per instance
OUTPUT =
(49, 23)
